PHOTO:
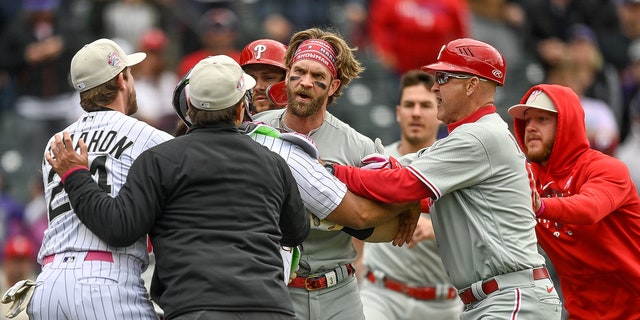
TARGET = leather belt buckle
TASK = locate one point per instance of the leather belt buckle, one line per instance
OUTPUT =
(326, 280)
(314, 283)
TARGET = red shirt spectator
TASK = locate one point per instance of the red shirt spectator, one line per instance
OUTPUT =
(218, 30)
(408, 34)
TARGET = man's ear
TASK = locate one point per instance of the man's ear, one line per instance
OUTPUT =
(122, 82)
(472, 85)
(333, 86)
(240, 113)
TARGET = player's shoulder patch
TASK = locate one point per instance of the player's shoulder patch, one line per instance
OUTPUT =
(301, 140)
(304, 141)
(250, 128)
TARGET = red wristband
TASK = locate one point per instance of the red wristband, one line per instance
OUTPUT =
(541, 209)
(72, 170)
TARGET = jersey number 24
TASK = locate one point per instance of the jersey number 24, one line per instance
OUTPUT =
(97, 167)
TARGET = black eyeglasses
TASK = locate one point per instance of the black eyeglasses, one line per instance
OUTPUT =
(443, 77)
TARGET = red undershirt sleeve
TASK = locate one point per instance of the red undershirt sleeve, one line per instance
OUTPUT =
(384, 185)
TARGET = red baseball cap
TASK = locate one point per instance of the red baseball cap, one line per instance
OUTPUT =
(18, 247)
(153, 40)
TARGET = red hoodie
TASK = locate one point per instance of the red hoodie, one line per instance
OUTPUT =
(590, 227)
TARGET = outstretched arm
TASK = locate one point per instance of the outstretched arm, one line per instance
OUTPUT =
(384, 184)
(361, 213)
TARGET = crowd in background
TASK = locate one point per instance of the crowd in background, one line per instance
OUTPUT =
(592, 46)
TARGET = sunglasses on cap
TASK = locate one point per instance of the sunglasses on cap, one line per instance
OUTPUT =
(443, 77)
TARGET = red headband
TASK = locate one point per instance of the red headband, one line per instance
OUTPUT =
(317, 50)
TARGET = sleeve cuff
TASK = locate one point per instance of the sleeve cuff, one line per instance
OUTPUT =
(70, 171)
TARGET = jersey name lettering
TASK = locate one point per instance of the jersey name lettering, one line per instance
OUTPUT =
(99, 141)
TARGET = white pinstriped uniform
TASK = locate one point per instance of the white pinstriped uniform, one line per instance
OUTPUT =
(69, 287)
(321, 192)
(323, 251)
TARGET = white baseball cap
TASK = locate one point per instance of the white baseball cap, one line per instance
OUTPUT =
(100, 61)
(217, 83)
(537, 99)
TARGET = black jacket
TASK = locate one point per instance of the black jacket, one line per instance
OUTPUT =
(217, 206)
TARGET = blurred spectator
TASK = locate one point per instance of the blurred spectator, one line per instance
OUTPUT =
(280, 19)
(629, 151)
(218, 31)
(601, 77)
(35, 212)
(182, 19)
(37, 50)
(129, 19)
(155, 82)
(629, 12)
(601, 125)
(501, 24)
(8, 10)
(11, 213)
(408, 34)
(549, 22)
(18, 264)
(277, 27)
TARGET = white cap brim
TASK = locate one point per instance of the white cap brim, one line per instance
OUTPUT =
(135, 58)
(541, 100)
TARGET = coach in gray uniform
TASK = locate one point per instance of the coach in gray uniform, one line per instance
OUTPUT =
(216, 204)
(320, 65)
(482, 216)
(410, 282)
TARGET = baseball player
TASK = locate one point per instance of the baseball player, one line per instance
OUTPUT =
(79, 270)
(588, 208)
(323, 195)
(482, 215)
(320, 64)
(410, 282)
(263, 59)
(216, 205)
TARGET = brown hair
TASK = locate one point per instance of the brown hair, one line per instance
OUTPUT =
(202, 117)
(415, 77)
(348, 67)
(103, 95)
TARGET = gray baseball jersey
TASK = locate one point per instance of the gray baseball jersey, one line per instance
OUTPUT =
(323, 251)
(113, 140)
(417, 267)
(483, 218)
